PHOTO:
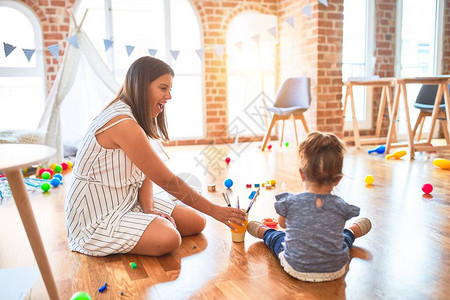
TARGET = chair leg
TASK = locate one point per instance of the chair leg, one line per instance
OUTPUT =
(269, 129)
(422, 121)
(282, 134)
(305, 125)
(445, 130)
(419, 119)
(295, 130)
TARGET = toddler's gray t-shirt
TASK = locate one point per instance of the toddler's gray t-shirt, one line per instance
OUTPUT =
(314, 240)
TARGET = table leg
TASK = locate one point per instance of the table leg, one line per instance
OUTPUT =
(23, 204)
(434, 114)
(408, 122)
(380, 111)
(393, 119)
(447, 106)
(355, 121)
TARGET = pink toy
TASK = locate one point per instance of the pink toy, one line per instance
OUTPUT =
(427, 188)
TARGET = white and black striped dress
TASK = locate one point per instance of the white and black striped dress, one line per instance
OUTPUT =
(103, 215)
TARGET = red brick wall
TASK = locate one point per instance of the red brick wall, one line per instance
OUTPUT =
(313, 48)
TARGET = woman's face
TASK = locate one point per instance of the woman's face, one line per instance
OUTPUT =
(159, 93)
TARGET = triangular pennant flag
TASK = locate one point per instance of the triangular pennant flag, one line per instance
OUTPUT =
(290, 21)
(324, 2)
(28, 53)
(54, 50)
(307, 11)
(273, 31)
(152, 52)
(73, 41)
(239, 45)
(255, 38)
(8, 48)
(129, 49)
(200, 53)
(108, 44)
(174, 54)
(219, 49)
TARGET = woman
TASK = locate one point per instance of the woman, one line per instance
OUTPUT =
(110, 206)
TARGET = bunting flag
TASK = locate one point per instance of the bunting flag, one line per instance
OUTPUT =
(54, 50)
(307, 11)
(130, 49)
(174, 54)
(28, 53)
(8, 48)
(73, 41)
(152, 52)
(108, 44)
(273, 31)
(239, 45)
(219, 50)
(324, 2)
(290, 21)
(255, 38)
(200, 53)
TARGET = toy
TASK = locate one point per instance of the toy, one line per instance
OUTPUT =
(45, 186)
(269, 147)
(272, 182)
(396, 155)
(211, 187)
(287, 144)
(133, 265)
(58, 169)
(427, 188)
(55, 182)
(227, 160)
(369, 179)
(121, 293)
(69, 164)
(52, 166)
(252, 194)
(270, 222)
(102, 288)
(59, 176)
(248, 185)
(46, 175)
(442, 163)
(257, 185)
(380, 150)
(64, 166)
(228, 183)
(81, 296)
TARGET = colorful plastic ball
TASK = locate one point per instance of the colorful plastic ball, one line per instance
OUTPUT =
(64, 166)
(133, 265)
(46, 175)
(227, 160)
(272, 182)
(59, 176)
(81, 296)
(55, 182)
(50, 171)
(269, 147)
(369, 179)
(69, 164)
(287, 144)
(52, 166)
(42, 170)
(58, 169)
(228, 183)
(427, 188)
(45, 186)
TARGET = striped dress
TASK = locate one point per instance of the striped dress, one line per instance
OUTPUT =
(103, 215)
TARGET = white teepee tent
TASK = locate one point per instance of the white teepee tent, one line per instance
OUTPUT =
(82, 88)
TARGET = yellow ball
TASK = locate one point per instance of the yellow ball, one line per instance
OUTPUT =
(272, 182)
(69, 164)
(369, 179)
(52, 166)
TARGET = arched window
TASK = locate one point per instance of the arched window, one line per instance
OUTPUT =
(22, 83)
(149, 26)
(251, 61)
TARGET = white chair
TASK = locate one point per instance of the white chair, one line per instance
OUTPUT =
(292, 100)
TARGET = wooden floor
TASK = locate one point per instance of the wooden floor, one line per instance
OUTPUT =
(405, 256)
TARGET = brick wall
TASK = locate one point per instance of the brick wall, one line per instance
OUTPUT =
(312, 48)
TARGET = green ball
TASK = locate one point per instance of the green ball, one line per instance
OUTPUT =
(287, 144)
(46, 175)
(81, 296)
(45, 186)
(58, 169)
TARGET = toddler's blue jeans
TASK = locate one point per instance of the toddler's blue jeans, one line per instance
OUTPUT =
(274, 240)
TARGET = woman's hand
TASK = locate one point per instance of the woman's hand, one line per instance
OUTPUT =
(166, 216)
(227, 215)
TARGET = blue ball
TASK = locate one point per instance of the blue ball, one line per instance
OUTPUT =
(59, 176)
(228, 183)
(55, 182)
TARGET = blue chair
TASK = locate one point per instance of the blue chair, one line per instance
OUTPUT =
(425, 102)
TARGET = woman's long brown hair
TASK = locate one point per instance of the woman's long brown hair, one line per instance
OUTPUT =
(134, 93)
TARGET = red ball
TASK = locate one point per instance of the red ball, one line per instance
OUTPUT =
(427, 188)
(227, 160)
(41, 171)
(64, 166)
(269, 147)
(50, 171)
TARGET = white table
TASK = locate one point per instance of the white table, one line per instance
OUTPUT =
(13, 157)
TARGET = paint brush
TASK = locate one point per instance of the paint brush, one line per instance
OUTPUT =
(253, 200)
(227, 201)
(237, 202)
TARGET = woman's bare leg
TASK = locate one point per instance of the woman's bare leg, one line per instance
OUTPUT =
(188, 220)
